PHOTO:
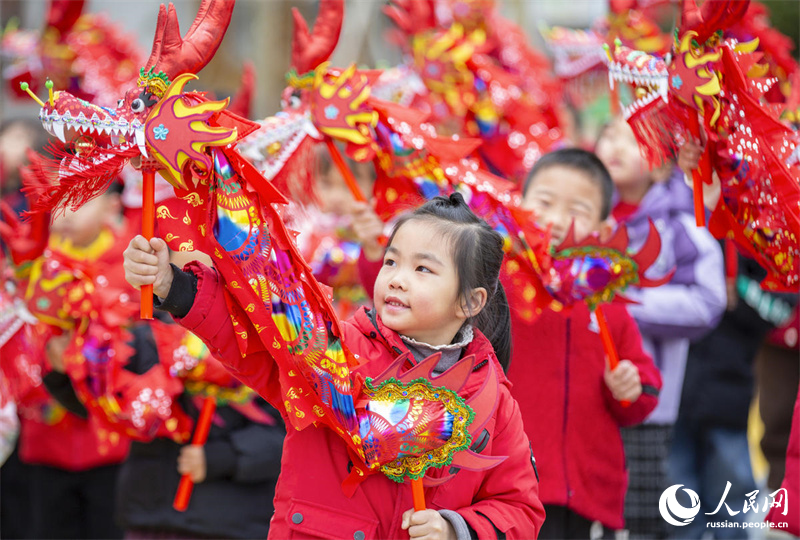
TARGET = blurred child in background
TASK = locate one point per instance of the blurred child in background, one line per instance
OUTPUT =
(668, 316)
(75, 458)
(569, 400)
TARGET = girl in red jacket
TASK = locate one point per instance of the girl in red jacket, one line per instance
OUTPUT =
(438, 291)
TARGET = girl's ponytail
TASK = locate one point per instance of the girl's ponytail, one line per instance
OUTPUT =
(494, 321)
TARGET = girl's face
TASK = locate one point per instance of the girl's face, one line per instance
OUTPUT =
(618, 150)
(416, 293)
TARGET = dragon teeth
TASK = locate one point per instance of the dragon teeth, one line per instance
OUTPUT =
(140, 142)
(58, 131)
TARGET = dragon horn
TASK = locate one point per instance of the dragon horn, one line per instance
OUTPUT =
(158, 38)
(619, 240)
(719, 15)
(691, 18)
(63, 14)
(175, 55)
(309, 50)
(484, 401)
(648, 254)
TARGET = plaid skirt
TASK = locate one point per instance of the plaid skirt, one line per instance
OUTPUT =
(646, 450)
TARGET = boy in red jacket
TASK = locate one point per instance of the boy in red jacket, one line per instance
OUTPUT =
(569, 400)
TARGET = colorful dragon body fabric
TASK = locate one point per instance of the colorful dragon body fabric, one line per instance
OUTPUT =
(777, 48)
(23, 364)
(225, 207)
(81, 53)
(422, 165)
(414, 163)
(712, 89)
(483, 80)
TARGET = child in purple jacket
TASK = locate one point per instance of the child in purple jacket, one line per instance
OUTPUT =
(669, 316)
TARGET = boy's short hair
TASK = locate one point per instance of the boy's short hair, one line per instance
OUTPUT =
(582, 161)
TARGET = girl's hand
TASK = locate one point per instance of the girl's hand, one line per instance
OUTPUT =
(624, 381)
(368, 228)
(54, 351)
(688, 160)
(147, 262)
(689, 157)
(192, 461)
(428, 525)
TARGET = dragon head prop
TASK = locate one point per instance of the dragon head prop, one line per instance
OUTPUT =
(154, 120)
(79, 52)
(713, 88)
(483, 80)
(578, 58)
(320, 102)
(684, 82)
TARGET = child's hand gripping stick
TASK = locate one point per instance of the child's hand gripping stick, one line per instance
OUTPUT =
(200, 437)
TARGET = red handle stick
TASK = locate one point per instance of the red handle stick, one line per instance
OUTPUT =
(699, 175)
(349, 179)
(148, 229)
(731, 261)
(418, 494)
(608, 344)
(200, 436)
(347, 174)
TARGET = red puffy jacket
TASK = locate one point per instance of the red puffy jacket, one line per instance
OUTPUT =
(570, 415)
(309, 501)
(51, 436)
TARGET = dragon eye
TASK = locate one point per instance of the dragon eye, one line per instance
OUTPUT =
(120, 103)
(137, 105)
(294, 102)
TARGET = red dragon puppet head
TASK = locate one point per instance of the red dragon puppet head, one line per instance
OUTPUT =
(154, 120)
(712, 89)
(81, 53)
